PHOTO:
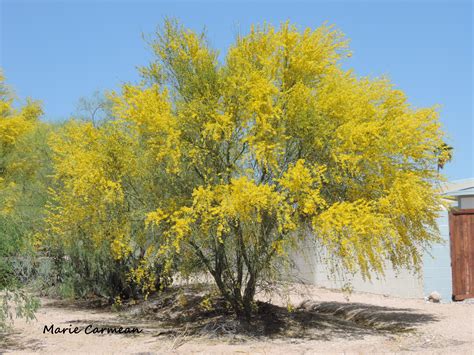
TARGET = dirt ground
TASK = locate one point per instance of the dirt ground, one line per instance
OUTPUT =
(325, 321)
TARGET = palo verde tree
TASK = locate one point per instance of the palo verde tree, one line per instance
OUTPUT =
(277, 145)
(22, 177)
(102, 188)
(22, 195)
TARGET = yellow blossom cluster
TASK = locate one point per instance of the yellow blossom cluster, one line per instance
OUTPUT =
(92, 166)
(16, 125)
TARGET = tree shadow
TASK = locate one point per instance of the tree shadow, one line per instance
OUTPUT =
(94, 303)
(330, 320)
(14, 341)
(312, 320)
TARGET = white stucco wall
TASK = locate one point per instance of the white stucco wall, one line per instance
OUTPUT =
(437, 266)
(404, 283)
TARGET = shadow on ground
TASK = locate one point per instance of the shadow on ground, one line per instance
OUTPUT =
(183, 312)
(14, 341)
(92, 303)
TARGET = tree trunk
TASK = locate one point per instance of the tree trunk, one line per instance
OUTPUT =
(249, 296)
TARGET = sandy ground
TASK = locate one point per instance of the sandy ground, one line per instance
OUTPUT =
(437, 329)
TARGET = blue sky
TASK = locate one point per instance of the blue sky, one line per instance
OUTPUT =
(59, 51)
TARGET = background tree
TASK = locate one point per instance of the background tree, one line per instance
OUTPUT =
(23, 173)
(445, 155)
(103, 185)
(275, 146)
(95, 109)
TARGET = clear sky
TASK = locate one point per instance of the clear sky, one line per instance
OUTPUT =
(59, 51)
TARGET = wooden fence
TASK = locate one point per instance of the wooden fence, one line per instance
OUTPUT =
(461, 231)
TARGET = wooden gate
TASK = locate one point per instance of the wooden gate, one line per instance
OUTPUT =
(461, 231)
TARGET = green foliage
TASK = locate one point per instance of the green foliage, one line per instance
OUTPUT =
(83, 273)
(23, 169)
(16, 303)
(7, 277)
